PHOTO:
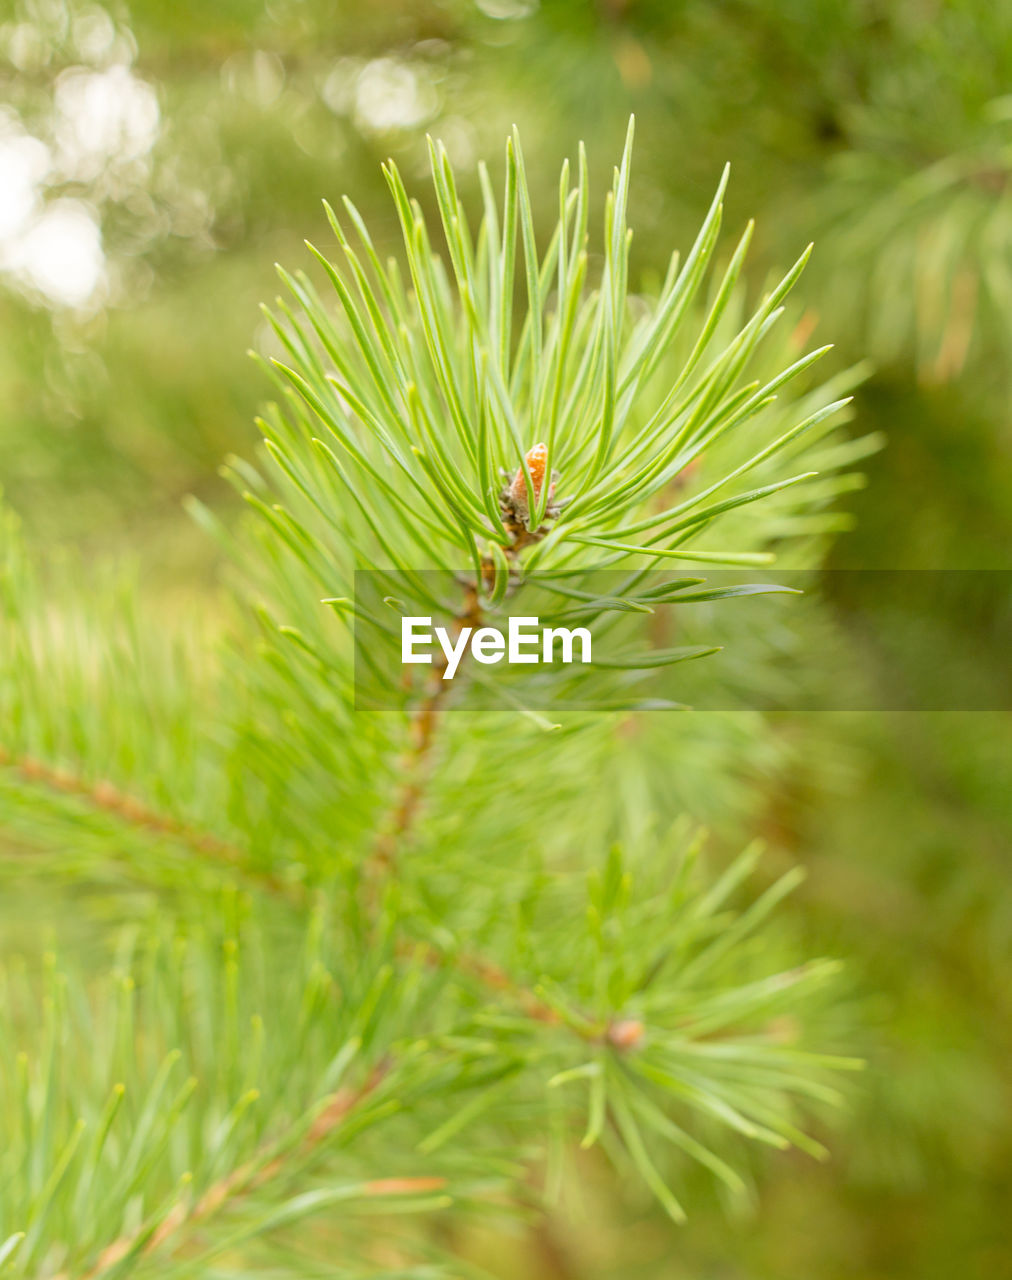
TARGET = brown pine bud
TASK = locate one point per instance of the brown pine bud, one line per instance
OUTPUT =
(537, 465)
(626, 1034)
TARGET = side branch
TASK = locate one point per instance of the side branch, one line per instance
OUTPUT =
(105, 798)
(174, 1229)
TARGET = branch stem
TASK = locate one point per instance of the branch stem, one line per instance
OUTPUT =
(264, 1166)
(105, 798)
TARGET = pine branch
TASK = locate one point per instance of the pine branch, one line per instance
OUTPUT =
(265, 1166)
(125, 808)
(443, 354)
(483, 989)
(227, 1181)
(619, 1032)
(134, 813)
(131, 811)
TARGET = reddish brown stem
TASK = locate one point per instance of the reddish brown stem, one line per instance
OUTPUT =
(414, 763)
(256, 1173)
(106, 798)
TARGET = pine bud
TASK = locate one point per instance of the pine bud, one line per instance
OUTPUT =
(626, 1034)
(537, 465)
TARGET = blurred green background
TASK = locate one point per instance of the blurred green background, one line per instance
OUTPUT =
(157, 158)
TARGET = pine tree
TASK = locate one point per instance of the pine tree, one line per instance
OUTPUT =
(400, 964)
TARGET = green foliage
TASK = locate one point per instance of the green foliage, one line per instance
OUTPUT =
(582, 374)
(468, 1004)
(218, 1090)
(933, 245)
(878, 130)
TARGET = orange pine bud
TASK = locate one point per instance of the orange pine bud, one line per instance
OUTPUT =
(537, 465)
(626, 1033)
